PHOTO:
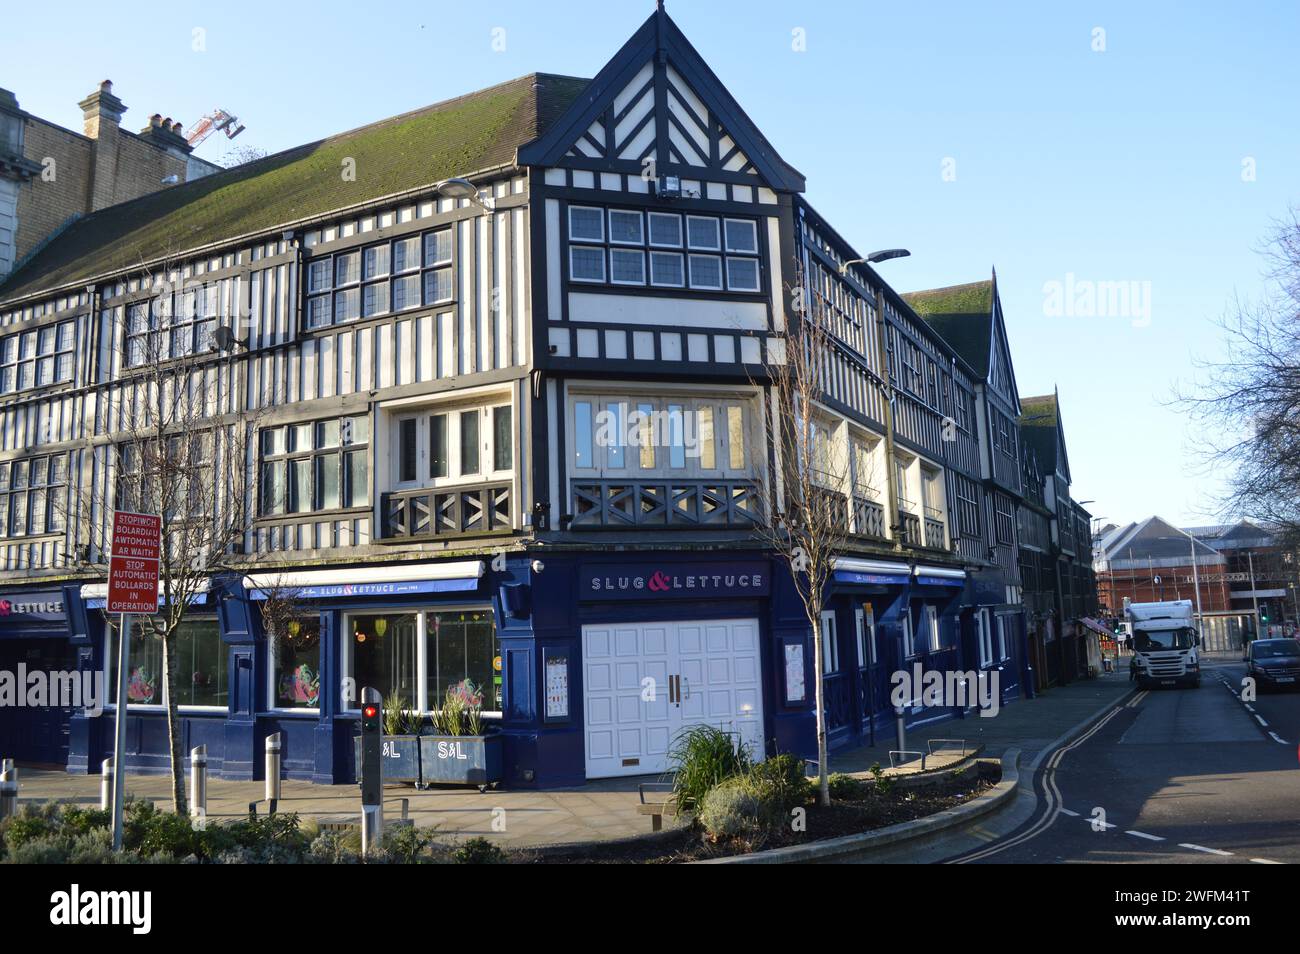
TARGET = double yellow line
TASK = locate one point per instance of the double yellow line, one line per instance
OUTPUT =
(1054, 800)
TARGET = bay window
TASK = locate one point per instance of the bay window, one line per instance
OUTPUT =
(36, 358)
(675, 436)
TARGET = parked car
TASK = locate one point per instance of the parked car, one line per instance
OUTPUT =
(1274, 663)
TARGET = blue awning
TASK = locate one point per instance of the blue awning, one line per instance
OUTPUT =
(939, 581)
(349, 590)
(862, 579)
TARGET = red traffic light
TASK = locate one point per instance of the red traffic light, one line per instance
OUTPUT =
(370, 711)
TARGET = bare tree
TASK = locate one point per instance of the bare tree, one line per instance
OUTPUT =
(1246, 403)
(810, 525)
(179, 445)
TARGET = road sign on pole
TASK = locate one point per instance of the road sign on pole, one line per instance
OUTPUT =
(132, 588)
(133, 563)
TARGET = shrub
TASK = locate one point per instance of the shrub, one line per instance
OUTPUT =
(702, 757)
(335, 848)
(732, 809)
(478, 851)
(846, 788)
(781, 782)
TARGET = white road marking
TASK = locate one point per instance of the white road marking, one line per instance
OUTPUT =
(1249, 707)
(1265, 861)
(1208, 851)
(1142, 834)
(1278, 740)
(1261, 721)
(1066, 811)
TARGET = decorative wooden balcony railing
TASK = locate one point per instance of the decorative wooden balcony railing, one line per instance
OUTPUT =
(429, 514)
(868, 517)
(679, 504)
(934, 536)
(911, 525)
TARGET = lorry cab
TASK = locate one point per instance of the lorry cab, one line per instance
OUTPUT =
(1165, 643)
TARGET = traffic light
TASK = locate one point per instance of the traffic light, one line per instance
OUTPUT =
(372, 741)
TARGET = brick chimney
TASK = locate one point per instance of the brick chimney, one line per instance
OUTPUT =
(167, 135)
(102, 111)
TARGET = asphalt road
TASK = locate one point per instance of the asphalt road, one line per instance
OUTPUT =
(1177, 776)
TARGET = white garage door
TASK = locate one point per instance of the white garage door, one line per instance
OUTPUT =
(644, 682)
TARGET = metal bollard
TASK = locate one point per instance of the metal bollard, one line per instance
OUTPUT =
(8, 793)
(273, 767)
(372, 828)
(900, 727)
(199, 781)
(6, 765)
(106, 785)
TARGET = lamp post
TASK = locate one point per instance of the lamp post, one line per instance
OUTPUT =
(1196, 577)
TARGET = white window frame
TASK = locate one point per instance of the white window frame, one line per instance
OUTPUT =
(602, 465)
(866, 632)
(600, 210)
(753, 227)
(909, 637)
(932, 627)
(686, 234)
(604, 265)
(681, 260)
(830, 644)
(1001, 622)
(627, 250)
(690, 271)
(486, 406)
(637, 243)
(984, 636)
(272, 696)
(681, 230)
(111, 681)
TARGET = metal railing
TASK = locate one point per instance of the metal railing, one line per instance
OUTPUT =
(719, 504)
(430, 514)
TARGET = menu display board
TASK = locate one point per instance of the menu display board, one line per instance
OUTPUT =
(556, 667)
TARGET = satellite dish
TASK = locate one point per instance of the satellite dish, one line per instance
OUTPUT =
(223, 338)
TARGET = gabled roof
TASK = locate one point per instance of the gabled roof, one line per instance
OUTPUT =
(660, 40)
(1039, 425)
(1157, 543)
(470, 133)
(963, 316)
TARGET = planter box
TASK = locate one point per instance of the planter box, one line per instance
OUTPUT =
(399, 758)
(461, 759)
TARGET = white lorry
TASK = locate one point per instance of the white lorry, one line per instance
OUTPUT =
(1165, 643)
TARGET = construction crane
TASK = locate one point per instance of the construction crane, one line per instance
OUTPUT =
(216, 121)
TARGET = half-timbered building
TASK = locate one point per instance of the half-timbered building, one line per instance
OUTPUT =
(506, 358)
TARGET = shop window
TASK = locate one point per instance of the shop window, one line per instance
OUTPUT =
(422, 655)
(314, 466)
(200, 666)
(295, 673)
(463, 657)
(382, 653)
(865, 621)
(931, 616)
(909, 639)
(1002, 638)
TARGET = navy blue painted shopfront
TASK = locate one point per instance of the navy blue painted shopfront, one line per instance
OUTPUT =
(34, 642)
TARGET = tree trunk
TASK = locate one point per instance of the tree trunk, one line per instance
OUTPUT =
(823, 776)
(173, 725)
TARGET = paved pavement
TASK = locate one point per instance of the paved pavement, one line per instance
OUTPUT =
(1175, 776)
(598, 811)
(1027, 724)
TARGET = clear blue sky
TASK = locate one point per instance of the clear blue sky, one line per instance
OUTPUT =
(1122, 165)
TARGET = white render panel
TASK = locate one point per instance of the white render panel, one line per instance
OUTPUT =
(654, 311)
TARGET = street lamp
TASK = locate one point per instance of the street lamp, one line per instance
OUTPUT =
(875, 258)
(463, 189)
(1196, 578)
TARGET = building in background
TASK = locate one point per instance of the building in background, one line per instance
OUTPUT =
(50, 176)
(1245, 576)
